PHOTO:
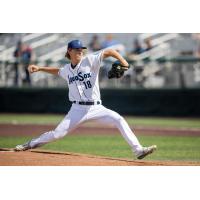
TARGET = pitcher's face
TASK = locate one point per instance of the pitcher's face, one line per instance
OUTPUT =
(76, 54)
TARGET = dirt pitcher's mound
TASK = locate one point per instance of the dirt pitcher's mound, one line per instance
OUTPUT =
(51, 158)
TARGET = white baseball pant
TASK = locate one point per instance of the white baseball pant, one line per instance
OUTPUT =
(82, 113)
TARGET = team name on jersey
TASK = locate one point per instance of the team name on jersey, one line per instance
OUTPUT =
(79, 77)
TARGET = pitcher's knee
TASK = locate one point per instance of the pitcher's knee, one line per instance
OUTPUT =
(118, 119)
(121, 119)
(59, 134)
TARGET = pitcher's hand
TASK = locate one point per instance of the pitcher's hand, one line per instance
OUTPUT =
(33, 68)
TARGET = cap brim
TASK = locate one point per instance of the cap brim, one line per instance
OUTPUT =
(77, 48)
(80, 48)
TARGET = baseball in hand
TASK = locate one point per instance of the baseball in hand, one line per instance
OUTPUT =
(33, 68)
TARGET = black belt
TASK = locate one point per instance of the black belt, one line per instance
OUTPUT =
(88, 103)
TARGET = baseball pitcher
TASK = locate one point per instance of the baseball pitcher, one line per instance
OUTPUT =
(81, 75)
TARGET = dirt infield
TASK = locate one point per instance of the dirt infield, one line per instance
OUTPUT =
(34, 130)
(52, 158)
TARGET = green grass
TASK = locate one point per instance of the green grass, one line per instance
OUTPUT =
(169, 148)
(139, 121)
(31, 118)
(165, 122)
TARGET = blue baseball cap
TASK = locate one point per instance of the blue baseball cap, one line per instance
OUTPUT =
(76, 44)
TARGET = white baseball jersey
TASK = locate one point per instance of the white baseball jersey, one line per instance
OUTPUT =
(83, 80)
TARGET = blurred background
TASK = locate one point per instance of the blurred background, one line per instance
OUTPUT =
(159, 60)
(162, 65)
